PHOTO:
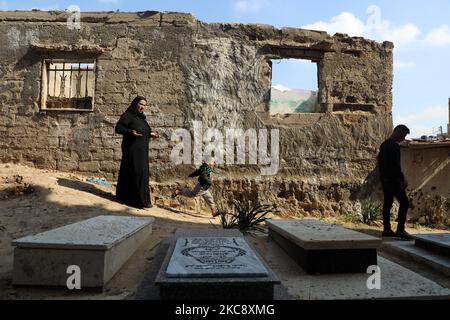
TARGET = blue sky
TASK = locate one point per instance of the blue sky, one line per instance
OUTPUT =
(420, 30)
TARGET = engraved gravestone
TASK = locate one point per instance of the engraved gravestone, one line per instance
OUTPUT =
(214, 265)
(214, 257)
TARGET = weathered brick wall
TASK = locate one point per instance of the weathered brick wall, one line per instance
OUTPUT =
(189, 70)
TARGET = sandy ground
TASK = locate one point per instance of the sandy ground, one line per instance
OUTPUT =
(33, 201)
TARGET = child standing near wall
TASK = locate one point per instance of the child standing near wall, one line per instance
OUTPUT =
(202, 188)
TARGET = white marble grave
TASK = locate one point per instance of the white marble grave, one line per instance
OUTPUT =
(214, 257)
(318, 235)
(98, 246)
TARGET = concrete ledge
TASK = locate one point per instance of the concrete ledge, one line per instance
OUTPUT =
(409, 250)
(435, 242)
(99, 246)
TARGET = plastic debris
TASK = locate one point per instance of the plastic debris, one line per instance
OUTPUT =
(99, 181)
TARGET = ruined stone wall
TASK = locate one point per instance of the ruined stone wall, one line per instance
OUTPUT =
(219, 74)
(427, 170)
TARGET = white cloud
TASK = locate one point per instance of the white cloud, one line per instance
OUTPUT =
(345, 22)
(400, 35)
(439, 36)
(3, 4)
(399, 64)
(418, 130)
(246, 6)
(430, 113)
(281, 87)
(48, 8)
(424, 122)
(374, 27)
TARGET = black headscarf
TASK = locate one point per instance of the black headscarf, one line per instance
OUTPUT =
(134, 105)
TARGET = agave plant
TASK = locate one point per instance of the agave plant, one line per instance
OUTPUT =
(371, 212)
(246, 216)
(227, 220)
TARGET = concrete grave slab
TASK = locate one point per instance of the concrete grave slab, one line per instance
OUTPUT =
(319, 247)
(204, 257)
(99, 246)
(318, 235)
(176, 283)
(435, 242)
(409, 250)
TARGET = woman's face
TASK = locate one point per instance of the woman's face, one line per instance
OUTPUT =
(141, 106)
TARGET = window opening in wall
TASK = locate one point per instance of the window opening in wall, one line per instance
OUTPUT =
(295, 87)
(68, 85)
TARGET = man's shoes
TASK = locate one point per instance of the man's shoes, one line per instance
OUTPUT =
(403, 235)
(389, 233)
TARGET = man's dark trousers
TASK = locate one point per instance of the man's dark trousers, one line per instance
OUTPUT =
(393, 189)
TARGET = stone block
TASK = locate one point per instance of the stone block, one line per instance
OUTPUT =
(99, 246)
(423, 256)
(102, 154)
(177, 19)
(109, 166)
(89, 166)
(435, 242)
(112, 142)
(319, 247)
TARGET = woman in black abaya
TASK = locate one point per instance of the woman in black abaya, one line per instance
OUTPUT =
(133, 183)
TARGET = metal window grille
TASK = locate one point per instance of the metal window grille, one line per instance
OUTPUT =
(70, 85)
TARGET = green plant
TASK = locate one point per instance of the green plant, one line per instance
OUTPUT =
(350, 218)
(246, 216)
(371, 212)
(227, 220)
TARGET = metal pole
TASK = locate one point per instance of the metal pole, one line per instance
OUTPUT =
(87, 75)
(54, 83)
(70, 90)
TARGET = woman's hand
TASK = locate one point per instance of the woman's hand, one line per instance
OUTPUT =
(136, 134)
(154, 135)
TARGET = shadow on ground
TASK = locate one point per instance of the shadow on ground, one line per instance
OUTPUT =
(86, 187)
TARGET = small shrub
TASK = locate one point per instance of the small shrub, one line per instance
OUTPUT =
(351, 218)
(227, 220)
(371, 212)
(246, 217)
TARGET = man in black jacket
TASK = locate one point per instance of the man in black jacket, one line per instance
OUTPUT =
(393, 182)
